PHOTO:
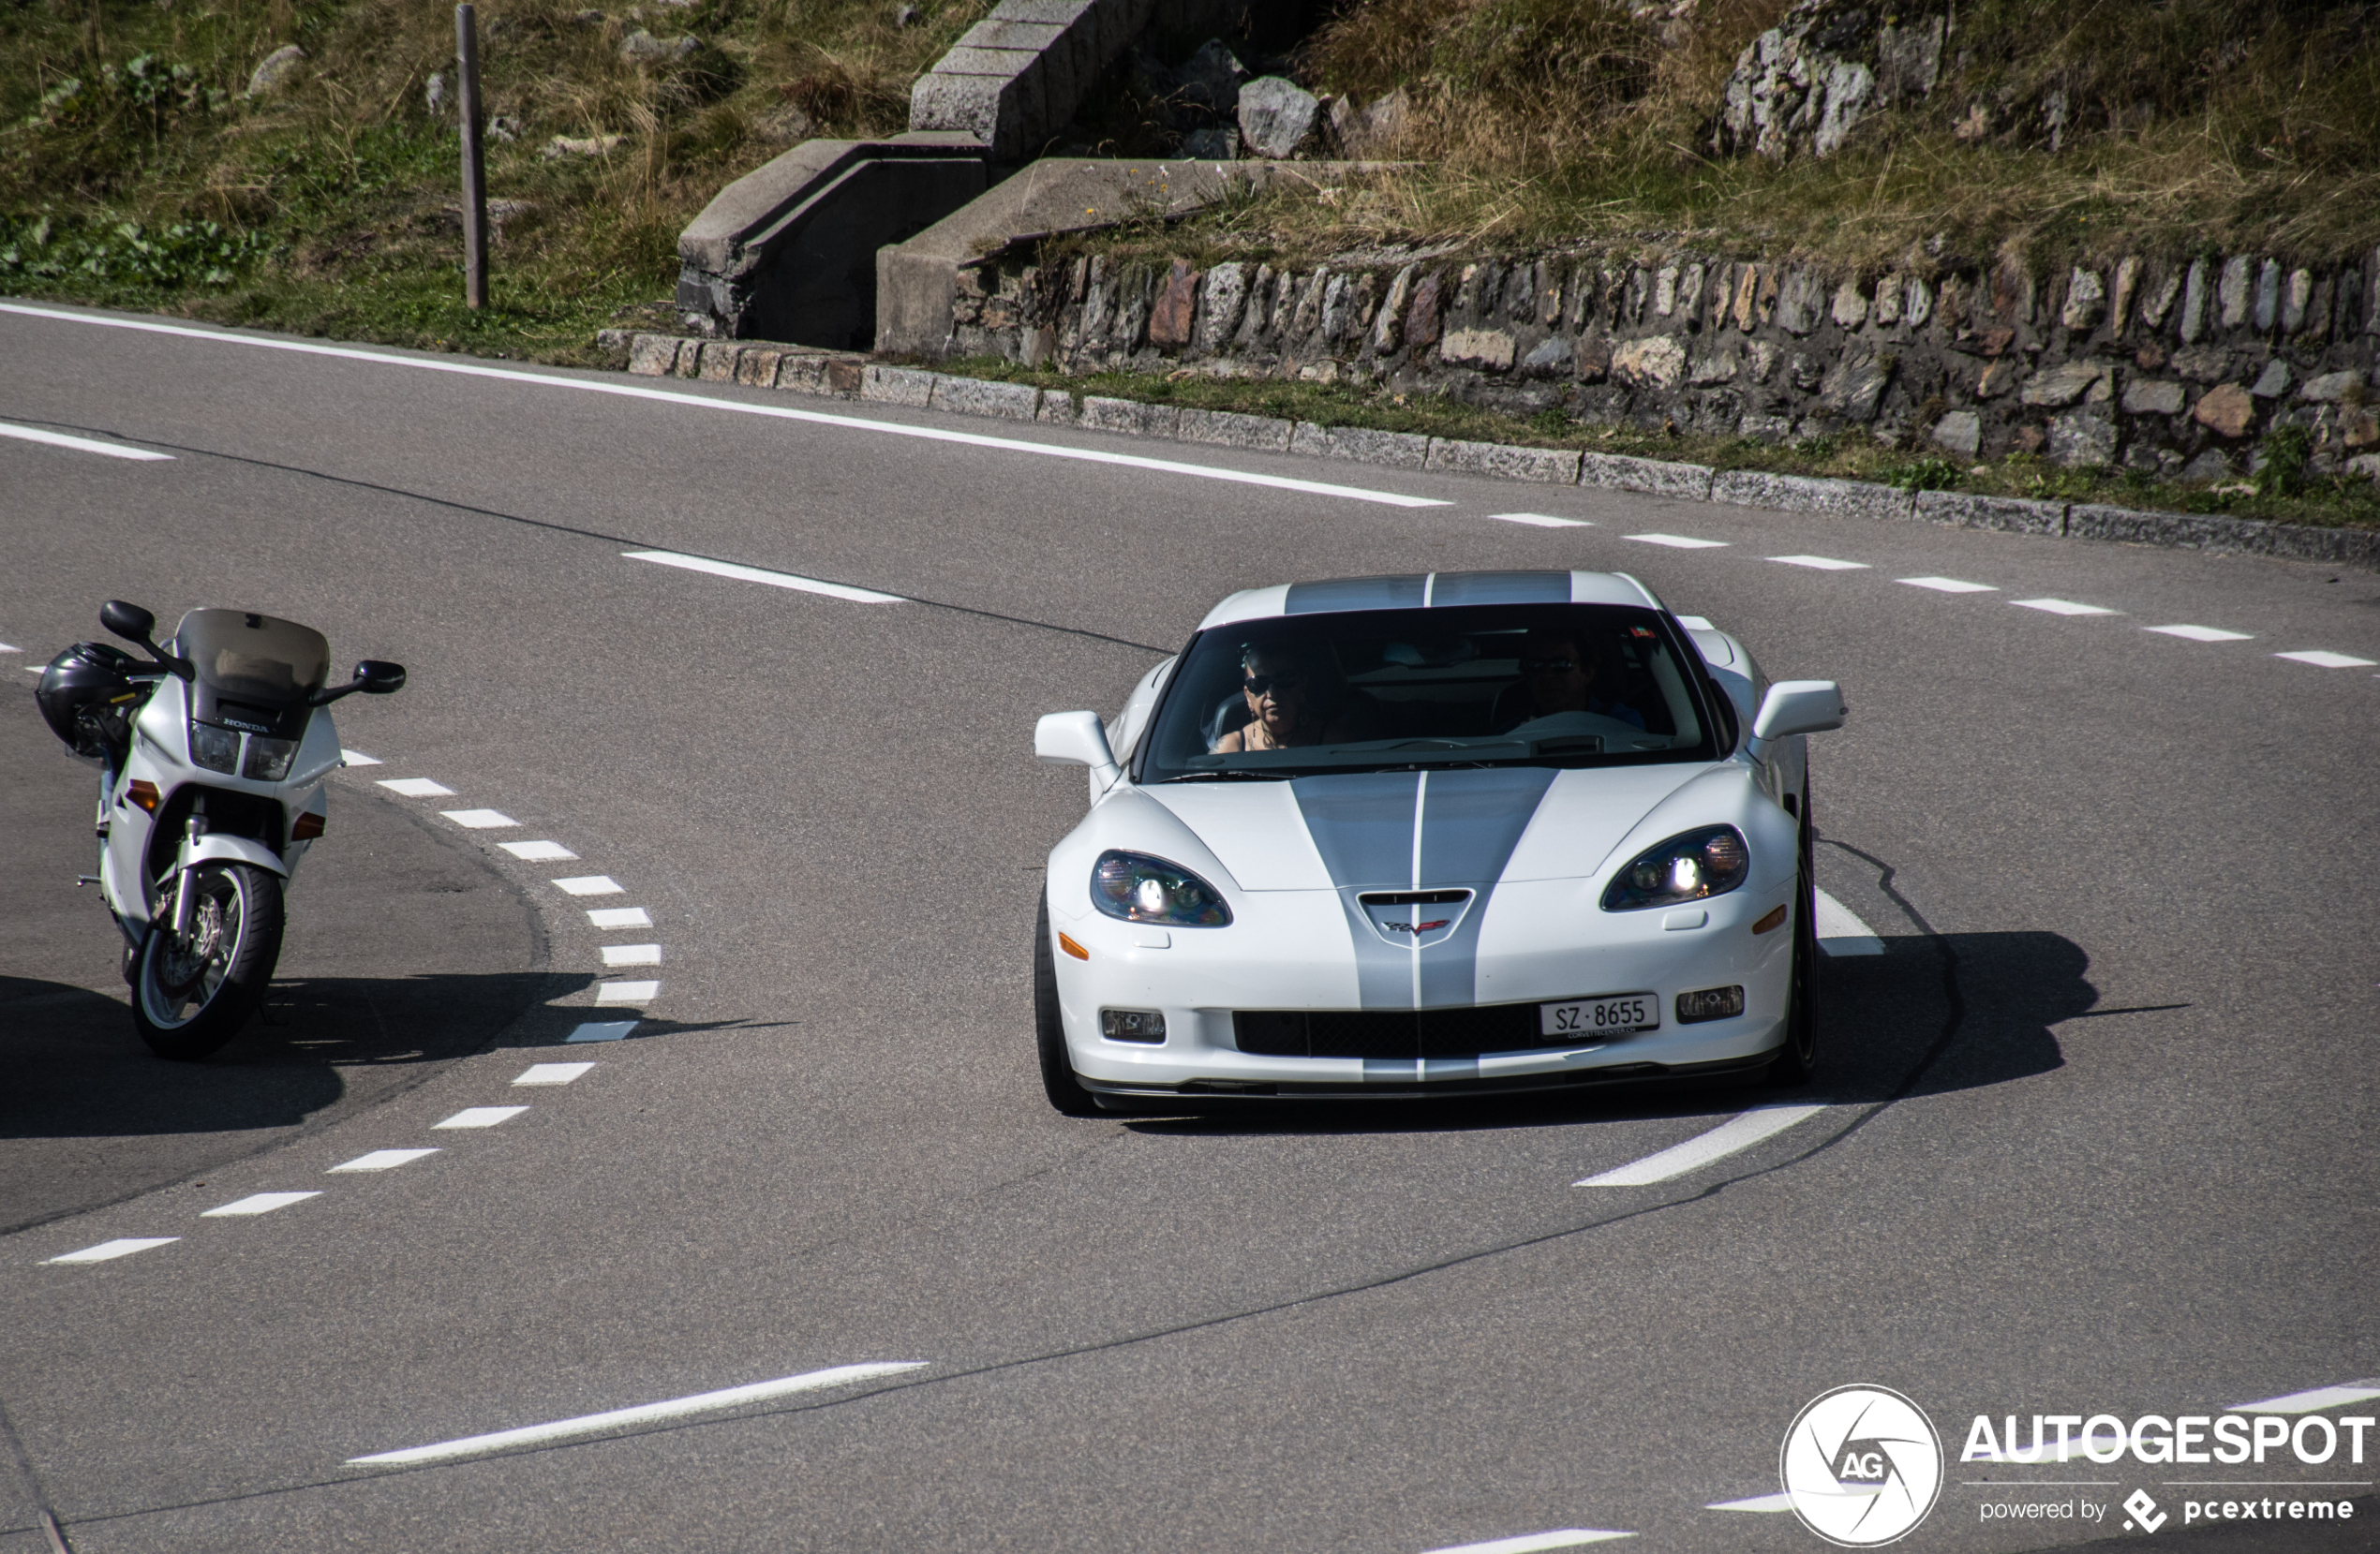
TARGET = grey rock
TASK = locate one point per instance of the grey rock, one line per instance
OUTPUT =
(1225, 296)
(1796, 86)
(2267, 297)
(1212, 79)
(1553, 358)
(1549, 466)
(1396, 450)
(1338, 305)
(2149, 396)
(975, 396)
(1378, 132)
(1799, 303)
(2082, 437)
(2333, 388)
(642, 47)
(592, 145)
(1918, 303)
(2009, 514)
(2063, 385)
(1277, 117)
(2294, 301)
(2208, 466)
(1129, 416)
(1766, 428)
(717, 364)
(1656, 362)
(276, 69)
(2272, 382)
(652, 355)
(895, 385)
(2085, 301)
(1665, 290)
(1388, 324)
(1719, 365)
(2160, 302)
(1491, 349)
(1855, 385)
(1659, 477)
(1851, 303)
(2365, 465)
(2194, 303)
(2202, 363)
(1960, 431)
(2231, 293)
(1228, 429)
(1805, 493)
(1211, 145)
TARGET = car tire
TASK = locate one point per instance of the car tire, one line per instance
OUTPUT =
(1797, 1060)
(1058, 1078)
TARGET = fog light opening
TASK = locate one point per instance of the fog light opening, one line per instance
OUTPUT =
(1711, 1003)
(1133, 1025)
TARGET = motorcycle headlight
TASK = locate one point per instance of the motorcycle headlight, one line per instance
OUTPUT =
(1140, 889)
(1687, 868)
(217, 749)
(269, 758)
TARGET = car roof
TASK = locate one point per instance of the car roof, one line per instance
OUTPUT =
(1425, 590)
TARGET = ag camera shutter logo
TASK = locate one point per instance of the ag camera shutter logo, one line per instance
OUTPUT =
(1862, 1466)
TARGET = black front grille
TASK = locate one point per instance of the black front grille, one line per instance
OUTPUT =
(1391, 1034)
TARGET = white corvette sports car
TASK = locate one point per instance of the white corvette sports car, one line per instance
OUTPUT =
(1460, 833)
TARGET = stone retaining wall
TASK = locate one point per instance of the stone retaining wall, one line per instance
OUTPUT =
(2178, 369)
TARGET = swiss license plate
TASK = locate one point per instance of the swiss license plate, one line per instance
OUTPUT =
(1588, 1018)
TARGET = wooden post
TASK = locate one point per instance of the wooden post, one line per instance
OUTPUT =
(466, 59)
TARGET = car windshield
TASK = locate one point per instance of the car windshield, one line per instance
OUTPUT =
(254, 658)
(1537, 685)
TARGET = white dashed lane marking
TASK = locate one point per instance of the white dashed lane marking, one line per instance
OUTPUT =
(645, 1413)
(1728, 1139)
(2321, 659)
(1821, 563)
(261, 1202)
(1542, 520)
(357, 758)
(108, 1251)
(1758, 1502)
(1949, 585)
(756, 574)
(1679, 541)
(538, 853)
(631, 955)
(6, 648)
(480, 819)
(628, 992)
(553, 1074)
(2199, 633)
(480, 1117)
(383, 1159)
(81, 445)
(417, 788)
(1529, 1542)
(619, 917)
(2310, 1402)
(2062, 607)
(602, 1030)
(1840, 933)
(589, 885)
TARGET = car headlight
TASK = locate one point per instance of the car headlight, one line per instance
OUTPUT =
(217, 749)
(269, 758)
(1140, 889)
(1687, 868)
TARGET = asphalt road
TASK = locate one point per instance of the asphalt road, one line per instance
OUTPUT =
(2098, 1123)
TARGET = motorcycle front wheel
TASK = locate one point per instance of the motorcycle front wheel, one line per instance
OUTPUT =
(192, 993)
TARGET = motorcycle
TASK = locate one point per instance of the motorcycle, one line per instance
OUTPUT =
(211, 756)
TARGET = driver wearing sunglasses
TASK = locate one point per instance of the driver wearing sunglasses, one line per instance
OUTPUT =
(1562, 673)
(1282, 707)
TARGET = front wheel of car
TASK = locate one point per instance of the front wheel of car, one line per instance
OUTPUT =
(1798, 1058)
(1050, 1030)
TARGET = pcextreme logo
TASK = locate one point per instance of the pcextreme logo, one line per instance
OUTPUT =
(1862, 1466)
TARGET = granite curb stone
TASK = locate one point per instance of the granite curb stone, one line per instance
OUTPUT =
(897, 385)
(1656, 477)
(1548, 466)
(1395, 449)
(977, 396)
(1129, 416)
(2009, 514)
(1810, 493)
(1229, 429)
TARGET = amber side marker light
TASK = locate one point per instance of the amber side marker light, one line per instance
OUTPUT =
(143, 793)
(1072, 948)
(309, 826)
(1774, 920)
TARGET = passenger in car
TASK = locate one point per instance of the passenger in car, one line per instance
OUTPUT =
(1560, 672)
(1293, 697)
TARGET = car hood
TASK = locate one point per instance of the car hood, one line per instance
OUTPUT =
(1421, 829)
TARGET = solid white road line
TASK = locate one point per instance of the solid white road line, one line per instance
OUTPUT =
(602, 1030)
(1568, 1537)
(756, 574)
(627, 992)
(589, 885)
(1542, 520)
(1758, 1502)
(619, 917)
(2199, 633)
(1728, 1139)
(479, 819)
(538, 853)
(261, 1202)
(1840, 933)
(81, 445)
(631, 955)
(552, 1074)
(1678, 542)
(1949, 585)
(1821, 563)
(357, 758)
(480, 1117)
(383, 1159)
(2062, 607)
(107, 1251)
(2308, 1402)
(417, 788)
(644, 1414)
(776, 412)
(2321, 658)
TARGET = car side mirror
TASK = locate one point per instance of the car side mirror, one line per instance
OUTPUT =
(1798, 706)
(1076, 739)
(128, 621)
(378, 677)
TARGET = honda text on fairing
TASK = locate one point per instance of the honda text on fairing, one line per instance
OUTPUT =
(1446, 834)
(211, 756)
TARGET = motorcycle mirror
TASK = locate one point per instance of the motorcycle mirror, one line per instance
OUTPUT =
(128, 621)
(378, 677)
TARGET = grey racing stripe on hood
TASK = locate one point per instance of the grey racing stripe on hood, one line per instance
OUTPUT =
(1355, 593)
(1453, 588)
(1363, 826)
